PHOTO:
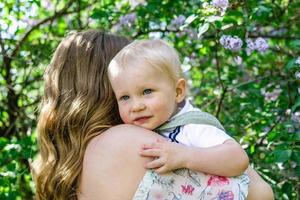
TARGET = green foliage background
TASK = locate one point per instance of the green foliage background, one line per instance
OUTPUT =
(268, 129)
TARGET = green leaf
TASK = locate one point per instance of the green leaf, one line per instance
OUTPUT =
(282, 155)
(190, 19)
(297, 138)
(290, 64)
(213, 18)
(295, 43)
(202, 29)
(296, 105)
(287, 188)
(226, 26)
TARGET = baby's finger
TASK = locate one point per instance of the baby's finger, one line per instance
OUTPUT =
(151, 146)
(157, 163)
(162, 170)
(150, 152)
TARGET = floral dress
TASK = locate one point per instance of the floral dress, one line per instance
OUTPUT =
(184, 184)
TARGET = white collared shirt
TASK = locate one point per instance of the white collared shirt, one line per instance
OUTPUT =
(196, 135)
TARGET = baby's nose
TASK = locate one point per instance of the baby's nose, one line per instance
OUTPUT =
(138, 106)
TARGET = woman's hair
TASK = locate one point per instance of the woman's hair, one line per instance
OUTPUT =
(155, 53)
(78, 104)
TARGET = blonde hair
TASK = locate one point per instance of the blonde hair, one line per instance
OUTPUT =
(154, 53)
(78, 104)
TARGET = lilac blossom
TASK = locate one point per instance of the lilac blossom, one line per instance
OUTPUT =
(28, 21)
(250, 46)
(238, 60)
(297, 61)
(222, 4)
(47, 4)
(261, 44)
(296, 117)
(233, 43)
(192, 34)
(224, 40)
(177, 22)
(127, 20)
(271, 95)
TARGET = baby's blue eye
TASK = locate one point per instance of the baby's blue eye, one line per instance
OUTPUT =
(147, 91)
(124, 98)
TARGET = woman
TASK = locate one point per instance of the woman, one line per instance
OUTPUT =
(82, 156)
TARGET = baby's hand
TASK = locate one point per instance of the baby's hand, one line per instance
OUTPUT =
(168, 156)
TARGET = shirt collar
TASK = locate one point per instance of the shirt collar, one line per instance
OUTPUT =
(187, 106)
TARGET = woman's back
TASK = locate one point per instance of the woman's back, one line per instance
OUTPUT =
(112, 167)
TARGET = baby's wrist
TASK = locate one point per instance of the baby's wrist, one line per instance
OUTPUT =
(185, 157)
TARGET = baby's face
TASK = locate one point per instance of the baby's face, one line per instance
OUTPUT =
(146, 97)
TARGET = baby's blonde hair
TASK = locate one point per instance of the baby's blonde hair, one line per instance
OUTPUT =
(154, 53)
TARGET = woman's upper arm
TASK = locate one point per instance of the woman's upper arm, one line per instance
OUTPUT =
(112, 161)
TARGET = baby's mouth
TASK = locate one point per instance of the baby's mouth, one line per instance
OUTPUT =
(141, 120)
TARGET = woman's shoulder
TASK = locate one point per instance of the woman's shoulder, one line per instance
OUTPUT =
(120, 136)
(115, 150)
(125, 140)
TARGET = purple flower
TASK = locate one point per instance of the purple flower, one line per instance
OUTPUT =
(238, 60)
(226, 195)
(222, 4)
(191, 33)
(250, 44)
(233, 43)
(28, 21)
(261, 44)
(47, 4)
(272, 95)
(177, 22)
(127, 20)
(224, 40)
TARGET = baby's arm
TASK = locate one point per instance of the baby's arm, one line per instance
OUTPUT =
(227, 159)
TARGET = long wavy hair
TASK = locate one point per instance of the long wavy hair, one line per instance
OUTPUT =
(77, 105)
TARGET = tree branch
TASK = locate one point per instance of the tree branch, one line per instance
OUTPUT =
(224, 89)
(2, 46)
(26, 35)
(266, 135)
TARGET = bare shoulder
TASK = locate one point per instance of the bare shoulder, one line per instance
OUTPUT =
(114, 150)
(120, 136)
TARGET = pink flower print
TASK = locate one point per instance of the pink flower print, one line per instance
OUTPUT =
(187, 189)
(226, 195)
(158, 196)
(218, 180)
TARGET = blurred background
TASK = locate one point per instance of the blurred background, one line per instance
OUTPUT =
(241, 59)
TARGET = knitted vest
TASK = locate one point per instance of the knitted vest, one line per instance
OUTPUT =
(191, 117)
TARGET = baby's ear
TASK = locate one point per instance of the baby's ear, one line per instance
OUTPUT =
(180, 90)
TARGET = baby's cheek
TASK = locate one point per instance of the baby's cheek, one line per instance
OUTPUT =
(124, 116)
